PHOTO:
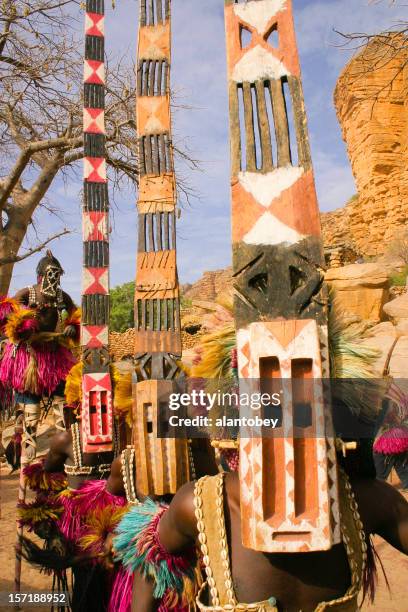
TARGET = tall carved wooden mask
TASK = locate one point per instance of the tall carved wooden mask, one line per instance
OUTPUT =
(289, 496)
(97, 409)
(163, 466)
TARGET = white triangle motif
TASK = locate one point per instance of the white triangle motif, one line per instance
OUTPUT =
(258, 14)
(267, 187)
(258, 64)
(269, 230)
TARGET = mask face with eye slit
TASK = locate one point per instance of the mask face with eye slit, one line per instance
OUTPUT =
(51, 281)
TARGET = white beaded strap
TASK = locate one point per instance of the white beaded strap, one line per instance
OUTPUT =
(223, 540)
(128, 470)
(78, 469)
(76, 445)
(202, 538)
(356, 576)
(32, 296)
(193, 474)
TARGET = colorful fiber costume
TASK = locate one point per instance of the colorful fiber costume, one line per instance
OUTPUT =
(41, 324)
(74, 524)
(73, 511)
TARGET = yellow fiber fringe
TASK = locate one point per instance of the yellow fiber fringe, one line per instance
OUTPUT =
(14, 321)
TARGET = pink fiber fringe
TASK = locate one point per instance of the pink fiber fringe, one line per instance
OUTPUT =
(121, 596)
(90, 496)
(6, 308)
(41, 481)
(392, 442)
(29, 325)
(53, 364)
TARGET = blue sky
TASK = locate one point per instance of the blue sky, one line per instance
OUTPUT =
(200, 124)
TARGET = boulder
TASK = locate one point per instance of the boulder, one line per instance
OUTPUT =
(402, 328)
(386, 328)
(360, 289)
(397, 309)
(383, 344)
(399, 363)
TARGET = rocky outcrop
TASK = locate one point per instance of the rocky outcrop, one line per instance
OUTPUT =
(336, 226)
(399, 361)
(397, 310)
(360, 289)
(372, 108)
(210, 285)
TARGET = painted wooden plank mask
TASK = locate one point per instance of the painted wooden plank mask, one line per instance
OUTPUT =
(289, 496)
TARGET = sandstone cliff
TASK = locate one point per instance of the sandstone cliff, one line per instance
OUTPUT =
(210, 285)
(371, 104)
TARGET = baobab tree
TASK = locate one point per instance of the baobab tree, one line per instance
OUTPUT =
(41, 67)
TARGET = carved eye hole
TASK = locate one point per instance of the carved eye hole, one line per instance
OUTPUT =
(148, 408)
(245, 37)
(297, 278)
(302, 392)
(272, 36)
(259, 282)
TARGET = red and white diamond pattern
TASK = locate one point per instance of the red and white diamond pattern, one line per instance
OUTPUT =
(94, 24)
(95, 226)
(97, 408)
(94, 72)
(95, 280)
(95, 169)
(94, 120)
(94, 336)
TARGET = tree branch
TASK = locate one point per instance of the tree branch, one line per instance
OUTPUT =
(15, 258)
(27, 152)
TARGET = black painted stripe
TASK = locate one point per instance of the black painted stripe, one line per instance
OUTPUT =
(95, 309)
(94, 48)
(95, 6)
(94, 145)
(94, 95)
(96, 197)
(96, 254)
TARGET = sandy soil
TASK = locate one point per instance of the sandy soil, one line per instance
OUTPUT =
(31, 579)
(395, 563)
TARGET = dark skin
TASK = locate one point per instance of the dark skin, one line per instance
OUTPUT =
(61, 452)
(298, 581)
(204, 462)
(47, 316)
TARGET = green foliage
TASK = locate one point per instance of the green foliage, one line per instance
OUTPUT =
(185, 302)
(399, 279)
(122, 308)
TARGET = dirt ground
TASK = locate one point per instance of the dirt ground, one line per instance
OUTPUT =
(395, 564)
(31, 579)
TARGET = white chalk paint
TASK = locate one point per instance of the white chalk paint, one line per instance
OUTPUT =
(269, 230)
(154, 126)
(88, 279)
(266, 187)
(258, 14)
(258, 64)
